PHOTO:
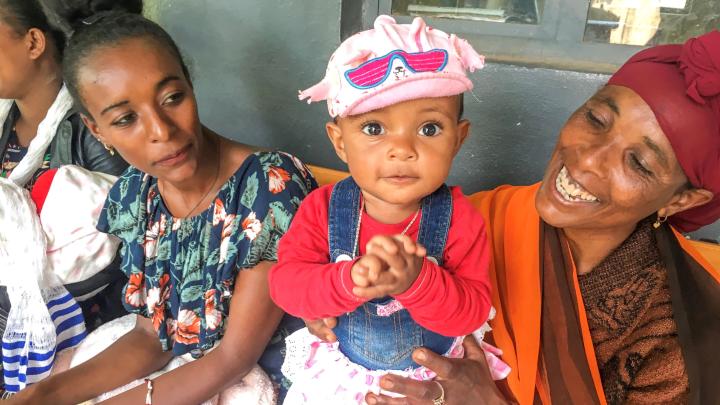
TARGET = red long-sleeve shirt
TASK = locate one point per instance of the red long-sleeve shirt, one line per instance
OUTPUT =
(452, 300)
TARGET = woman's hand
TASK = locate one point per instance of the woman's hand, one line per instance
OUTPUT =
(138, 353)
(252, 319)
(465, 381)
(322, 328)
(27, 396)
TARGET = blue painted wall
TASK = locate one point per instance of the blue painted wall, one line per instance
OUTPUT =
(249, 59)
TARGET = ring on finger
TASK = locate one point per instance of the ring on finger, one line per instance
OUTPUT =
(440, 400)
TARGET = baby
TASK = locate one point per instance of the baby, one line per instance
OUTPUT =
(399, 257)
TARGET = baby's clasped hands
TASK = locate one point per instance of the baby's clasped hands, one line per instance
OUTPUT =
(389, 267)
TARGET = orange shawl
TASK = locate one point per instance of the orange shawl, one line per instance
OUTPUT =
(513, 226)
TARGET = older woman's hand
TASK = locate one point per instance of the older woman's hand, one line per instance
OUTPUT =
(322, 328)
(465, 381)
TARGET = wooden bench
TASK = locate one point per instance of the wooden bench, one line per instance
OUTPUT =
(327, 176)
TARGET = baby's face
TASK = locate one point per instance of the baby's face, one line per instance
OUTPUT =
(401, 153)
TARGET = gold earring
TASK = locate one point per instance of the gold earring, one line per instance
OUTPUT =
(659, 221)
(110, 149)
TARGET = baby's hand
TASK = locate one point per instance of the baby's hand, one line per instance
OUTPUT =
(366, 270)
(394, 264)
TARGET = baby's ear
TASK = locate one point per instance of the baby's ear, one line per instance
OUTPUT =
(463, 130)
(334, 132)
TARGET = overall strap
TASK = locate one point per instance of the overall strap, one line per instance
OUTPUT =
(343, 214)
(435, 222)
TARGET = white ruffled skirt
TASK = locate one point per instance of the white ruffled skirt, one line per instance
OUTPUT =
(322, 375)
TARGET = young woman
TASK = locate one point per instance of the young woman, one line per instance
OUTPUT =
(199, 216)
(31, 84)
(41, 129)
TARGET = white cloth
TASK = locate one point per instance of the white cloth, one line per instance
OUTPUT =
(76, 250)
(44, 319)
(255, 388)
(46, 131)
(5, 106)
(27, 359)
(40, 253)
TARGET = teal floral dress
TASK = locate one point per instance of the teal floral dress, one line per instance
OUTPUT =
(182, 271)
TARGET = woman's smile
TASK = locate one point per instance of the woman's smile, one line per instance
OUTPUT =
(571, 190)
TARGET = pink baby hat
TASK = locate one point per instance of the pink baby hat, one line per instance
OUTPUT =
(392, 63)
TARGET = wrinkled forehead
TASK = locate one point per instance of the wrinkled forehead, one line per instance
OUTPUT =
(635, 122)
(691, 127)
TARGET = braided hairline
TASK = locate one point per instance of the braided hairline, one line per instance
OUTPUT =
(107, 31)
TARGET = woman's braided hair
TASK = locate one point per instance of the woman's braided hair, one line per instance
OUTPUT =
(90, 25)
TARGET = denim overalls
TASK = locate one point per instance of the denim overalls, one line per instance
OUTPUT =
(385, 342)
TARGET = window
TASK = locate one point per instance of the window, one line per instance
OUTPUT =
(584, 35)
(637, 22)
(504, 11)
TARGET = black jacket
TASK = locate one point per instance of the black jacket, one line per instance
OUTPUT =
(73, 145)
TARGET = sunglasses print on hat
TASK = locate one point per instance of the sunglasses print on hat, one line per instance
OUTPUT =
(375, 71)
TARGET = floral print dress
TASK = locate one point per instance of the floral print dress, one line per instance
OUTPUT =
(182, 270)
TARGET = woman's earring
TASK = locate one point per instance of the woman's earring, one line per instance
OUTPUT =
(659, 221)
(110, 149)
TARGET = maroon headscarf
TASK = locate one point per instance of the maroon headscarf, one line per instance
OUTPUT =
(681, 84)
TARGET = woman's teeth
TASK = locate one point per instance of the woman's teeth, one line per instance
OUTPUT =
(571, 190)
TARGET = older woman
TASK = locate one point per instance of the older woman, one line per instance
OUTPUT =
(599, 300)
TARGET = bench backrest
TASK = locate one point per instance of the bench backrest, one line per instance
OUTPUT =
(710, 251)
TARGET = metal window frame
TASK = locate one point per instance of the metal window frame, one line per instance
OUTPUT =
(547, 29)
(556, 42)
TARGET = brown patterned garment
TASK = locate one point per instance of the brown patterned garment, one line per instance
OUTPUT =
(627, 300)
